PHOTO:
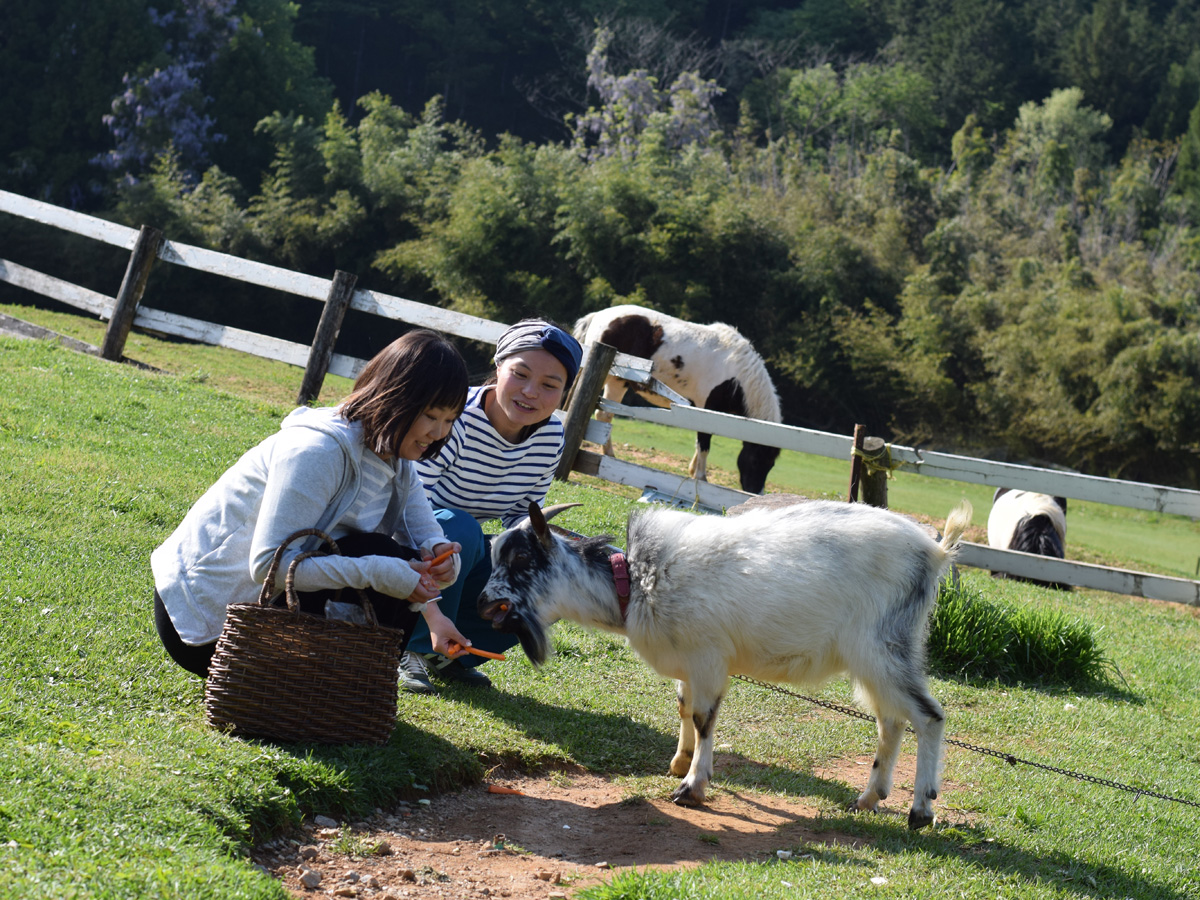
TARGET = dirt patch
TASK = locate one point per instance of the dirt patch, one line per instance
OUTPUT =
(561, 833)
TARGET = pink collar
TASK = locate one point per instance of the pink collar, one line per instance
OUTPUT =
(620, 570)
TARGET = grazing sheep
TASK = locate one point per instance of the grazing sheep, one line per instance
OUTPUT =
(795, 594)
(713, 366)
(1029, 522)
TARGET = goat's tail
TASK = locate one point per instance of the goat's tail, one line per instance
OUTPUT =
(956, 524)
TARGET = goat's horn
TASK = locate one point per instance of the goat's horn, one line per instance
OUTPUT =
(551, 511)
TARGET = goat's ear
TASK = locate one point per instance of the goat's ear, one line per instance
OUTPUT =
(538, 520)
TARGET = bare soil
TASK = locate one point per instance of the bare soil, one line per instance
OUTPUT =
(562, 832)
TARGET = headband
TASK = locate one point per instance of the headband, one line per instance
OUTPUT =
(538, 334)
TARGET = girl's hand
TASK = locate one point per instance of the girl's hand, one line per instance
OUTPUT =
(443, 634)
(442, 570)
(426, 588)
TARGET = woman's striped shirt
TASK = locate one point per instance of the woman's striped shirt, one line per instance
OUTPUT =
(481, 473)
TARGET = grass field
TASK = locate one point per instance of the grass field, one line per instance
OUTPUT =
(111, 785)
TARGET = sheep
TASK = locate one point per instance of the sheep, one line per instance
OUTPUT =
(793, 594)
(713, 366)
(1029, 522)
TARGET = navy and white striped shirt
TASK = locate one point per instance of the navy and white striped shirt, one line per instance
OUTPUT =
(481, 473)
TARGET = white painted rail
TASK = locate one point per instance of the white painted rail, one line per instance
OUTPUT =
(1134, 494)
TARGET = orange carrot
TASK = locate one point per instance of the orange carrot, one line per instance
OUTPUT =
(440, 558)
(451, 645)
(488, 653)
(498, 789)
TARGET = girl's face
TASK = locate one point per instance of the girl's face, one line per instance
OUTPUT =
(431, 425)
(529, 387)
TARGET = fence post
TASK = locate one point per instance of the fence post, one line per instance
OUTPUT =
(584, 398)
(336, 303)
(145, 251)
(876, 463)
(856, 463)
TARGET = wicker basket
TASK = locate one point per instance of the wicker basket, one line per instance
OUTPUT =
(286, 675)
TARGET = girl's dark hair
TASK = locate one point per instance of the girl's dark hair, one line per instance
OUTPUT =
(409, 375)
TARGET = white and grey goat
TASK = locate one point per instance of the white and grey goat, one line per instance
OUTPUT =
(795, 594)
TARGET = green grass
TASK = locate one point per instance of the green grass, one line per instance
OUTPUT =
(112, 786)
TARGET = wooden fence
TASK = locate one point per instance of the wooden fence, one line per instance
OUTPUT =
(340, 293)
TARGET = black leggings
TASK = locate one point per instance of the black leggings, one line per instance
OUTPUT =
(391, 612)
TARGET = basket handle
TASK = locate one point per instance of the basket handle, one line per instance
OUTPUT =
(293, 602)
(268, 588)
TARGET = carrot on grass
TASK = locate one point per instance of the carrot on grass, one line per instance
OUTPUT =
(499, 789)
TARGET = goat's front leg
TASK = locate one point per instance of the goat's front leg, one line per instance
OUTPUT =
(686, 748)
(702, 721)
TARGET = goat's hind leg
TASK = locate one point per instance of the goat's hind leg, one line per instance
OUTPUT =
(891, 731)
(906, 703)
(928, 721)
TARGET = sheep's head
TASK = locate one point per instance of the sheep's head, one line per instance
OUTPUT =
(522, 573)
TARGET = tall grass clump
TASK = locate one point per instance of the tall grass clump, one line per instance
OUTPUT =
(974, 638)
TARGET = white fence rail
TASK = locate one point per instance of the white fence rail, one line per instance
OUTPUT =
(1136, 495)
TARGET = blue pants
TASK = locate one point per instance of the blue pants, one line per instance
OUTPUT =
(458, 601)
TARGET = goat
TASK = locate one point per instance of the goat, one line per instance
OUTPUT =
(1029, 522)
(793, 594)
(713, 366)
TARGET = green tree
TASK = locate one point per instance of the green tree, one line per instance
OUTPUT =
(1116, 56)
(60, 64)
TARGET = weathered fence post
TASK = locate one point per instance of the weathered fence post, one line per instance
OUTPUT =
(856, 463)
(145, 251)
(336, 304)
(876, 463)
(584, 397)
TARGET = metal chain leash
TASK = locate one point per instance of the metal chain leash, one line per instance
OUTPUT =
(1007, 757)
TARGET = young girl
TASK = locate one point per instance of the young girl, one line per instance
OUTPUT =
(347, 470)
(502, 454)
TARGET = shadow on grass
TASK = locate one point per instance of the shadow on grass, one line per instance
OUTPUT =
(610, 744)
(353, 779)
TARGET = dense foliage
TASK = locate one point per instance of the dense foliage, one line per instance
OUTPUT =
(961, 222)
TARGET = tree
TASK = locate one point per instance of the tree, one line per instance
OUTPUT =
(1116, 56)
(59, 65)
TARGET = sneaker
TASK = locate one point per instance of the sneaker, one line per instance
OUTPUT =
(414, 678)
(453, 670)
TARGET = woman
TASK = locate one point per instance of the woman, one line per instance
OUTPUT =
(501, 455)
(348, 470)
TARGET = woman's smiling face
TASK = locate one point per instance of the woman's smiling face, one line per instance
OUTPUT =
(431, 425)
(529, 387)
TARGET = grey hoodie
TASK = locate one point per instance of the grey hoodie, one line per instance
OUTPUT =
(307, 474)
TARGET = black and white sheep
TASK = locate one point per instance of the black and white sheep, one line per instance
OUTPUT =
(713, 366)
(794, 594)
(1029, 522)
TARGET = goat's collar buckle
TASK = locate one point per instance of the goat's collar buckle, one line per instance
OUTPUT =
(620, 570)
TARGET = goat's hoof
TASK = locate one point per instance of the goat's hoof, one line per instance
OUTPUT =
(918, 820)
(863, 803)
(686, 796)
